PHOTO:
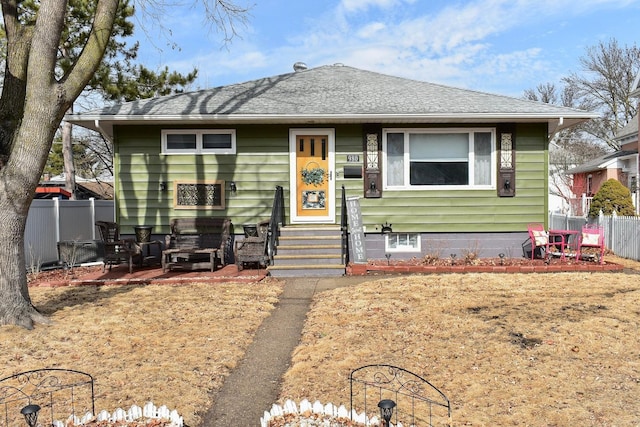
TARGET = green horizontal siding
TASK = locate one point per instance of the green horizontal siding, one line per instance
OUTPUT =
(469, 210)
(262, 162)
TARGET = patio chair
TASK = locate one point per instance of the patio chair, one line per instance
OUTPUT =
(253, 248)
(539, 239)
(592, 236)
(116, 250)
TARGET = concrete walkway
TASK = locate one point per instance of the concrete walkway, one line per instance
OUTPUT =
(254, 385)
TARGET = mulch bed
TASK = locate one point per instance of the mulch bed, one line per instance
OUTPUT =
(481, 265)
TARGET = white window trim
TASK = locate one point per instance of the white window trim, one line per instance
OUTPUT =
(198, 133)
(403, 249)
(409, 187)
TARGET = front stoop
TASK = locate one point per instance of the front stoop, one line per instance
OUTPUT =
(308, 251)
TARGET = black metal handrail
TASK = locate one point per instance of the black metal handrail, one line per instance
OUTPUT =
(344, 228)
(276, 220)
(60, 393)
(418, 402)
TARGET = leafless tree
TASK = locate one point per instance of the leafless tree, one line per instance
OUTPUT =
(33, 102)
(604, 85)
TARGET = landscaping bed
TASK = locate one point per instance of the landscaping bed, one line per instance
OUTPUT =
(481, 265)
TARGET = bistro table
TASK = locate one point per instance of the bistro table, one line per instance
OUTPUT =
(562, 239)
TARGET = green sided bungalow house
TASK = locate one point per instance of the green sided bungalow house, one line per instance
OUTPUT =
(424, 169)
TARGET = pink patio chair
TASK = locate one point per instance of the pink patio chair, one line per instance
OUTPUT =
(539, 239)
(592, 236)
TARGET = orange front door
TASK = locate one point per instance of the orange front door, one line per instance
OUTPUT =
(313, 177)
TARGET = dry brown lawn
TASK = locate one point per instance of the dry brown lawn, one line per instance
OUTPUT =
(170, 345)
(527, 349)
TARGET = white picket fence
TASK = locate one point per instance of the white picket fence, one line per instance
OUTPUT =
(54, 220)
(148, 412)
(621, 233)
(317, 414)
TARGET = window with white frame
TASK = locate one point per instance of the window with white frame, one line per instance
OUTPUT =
(402, 242)
(436, 158)
(201, 141)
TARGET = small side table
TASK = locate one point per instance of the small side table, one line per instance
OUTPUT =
(561, 238)
(145, 251)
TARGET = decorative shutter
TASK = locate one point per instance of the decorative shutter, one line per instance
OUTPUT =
(372, 146)
(506, 160)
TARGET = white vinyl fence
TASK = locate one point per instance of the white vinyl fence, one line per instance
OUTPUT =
(621, 233)
(55, 220)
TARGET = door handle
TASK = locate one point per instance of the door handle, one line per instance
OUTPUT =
(330, 175)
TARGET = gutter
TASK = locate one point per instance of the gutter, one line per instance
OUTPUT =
(556, 123)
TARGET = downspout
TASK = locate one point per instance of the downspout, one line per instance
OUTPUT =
(102, 131)
(553, 131)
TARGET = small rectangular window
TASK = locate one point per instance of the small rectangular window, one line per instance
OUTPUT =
(181, 142)
(216, 141)
(210, 141)
(402, 242)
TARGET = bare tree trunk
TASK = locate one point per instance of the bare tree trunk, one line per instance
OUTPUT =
(15, 304)
(29, 117)
(18, 180)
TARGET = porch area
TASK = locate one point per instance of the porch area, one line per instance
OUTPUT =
(148, 275)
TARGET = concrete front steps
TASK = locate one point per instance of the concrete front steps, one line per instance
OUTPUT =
(308, 251)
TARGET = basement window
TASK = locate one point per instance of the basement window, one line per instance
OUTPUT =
(402, 242)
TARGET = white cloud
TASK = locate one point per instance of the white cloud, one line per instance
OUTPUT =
(370, 30)
(360, 5)
(492, 45)
(454, 45)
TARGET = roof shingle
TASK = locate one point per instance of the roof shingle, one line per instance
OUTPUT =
(333, 93)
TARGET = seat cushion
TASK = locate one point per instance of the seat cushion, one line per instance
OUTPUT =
(540, 237)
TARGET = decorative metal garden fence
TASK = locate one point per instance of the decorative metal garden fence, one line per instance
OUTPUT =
(417, 401)
(45, 395)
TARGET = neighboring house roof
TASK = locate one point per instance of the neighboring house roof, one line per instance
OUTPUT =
(86, 188)
(51, 192)
(629, 133)
(635, 87)
(330, 94)
(602, 162)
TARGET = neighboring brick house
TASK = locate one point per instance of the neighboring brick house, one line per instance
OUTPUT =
(621, 165)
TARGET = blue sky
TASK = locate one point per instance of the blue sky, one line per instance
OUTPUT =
(497, 46)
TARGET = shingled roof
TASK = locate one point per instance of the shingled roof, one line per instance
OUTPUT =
(629, 132)
(331, 94)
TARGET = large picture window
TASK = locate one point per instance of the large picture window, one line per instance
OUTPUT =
(437, 158)
(209, 141)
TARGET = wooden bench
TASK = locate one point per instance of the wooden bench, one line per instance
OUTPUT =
(196, 243)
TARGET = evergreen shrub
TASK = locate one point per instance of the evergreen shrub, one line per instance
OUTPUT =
(612, 196)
